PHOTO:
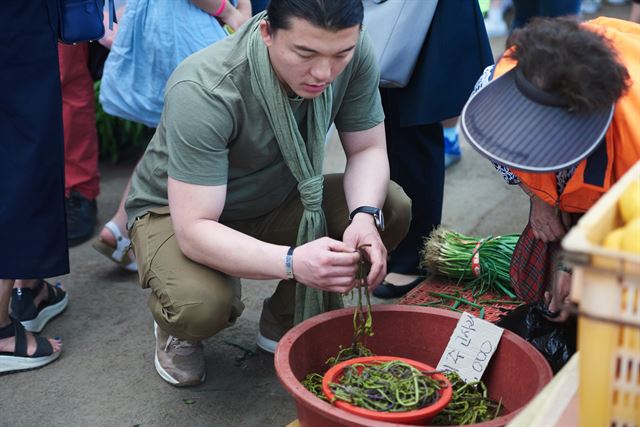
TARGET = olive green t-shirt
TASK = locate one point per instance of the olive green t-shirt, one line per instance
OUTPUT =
(214, 132)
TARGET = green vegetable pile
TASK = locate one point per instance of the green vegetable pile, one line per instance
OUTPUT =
(395, 386)
(469, 404)
(483, 263)
(313, 381)
(392, 386)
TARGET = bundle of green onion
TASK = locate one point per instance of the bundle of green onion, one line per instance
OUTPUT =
(393, 386)
(483, 263)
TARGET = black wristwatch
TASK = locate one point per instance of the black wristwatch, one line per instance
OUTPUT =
(375, 212)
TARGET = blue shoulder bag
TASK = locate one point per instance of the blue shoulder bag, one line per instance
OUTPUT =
(82, 20)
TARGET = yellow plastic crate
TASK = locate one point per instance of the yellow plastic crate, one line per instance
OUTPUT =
(606, 285)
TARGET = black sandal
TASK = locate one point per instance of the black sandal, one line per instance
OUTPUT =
(34, 318)
(19, 360)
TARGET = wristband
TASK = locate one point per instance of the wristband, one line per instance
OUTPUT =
(288, 263)
(217, 13)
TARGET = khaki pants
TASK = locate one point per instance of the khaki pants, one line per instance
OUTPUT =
(192, 301)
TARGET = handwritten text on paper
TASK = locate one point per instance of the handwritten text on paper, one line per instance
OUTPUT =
(470, 348)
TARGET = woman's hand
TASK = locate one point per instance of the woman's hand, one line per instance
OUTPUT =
(558, 298)
(235, 17)
(545, 220)
(230, 15)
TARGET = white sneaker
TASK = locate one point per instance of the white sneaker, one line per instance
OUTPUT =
(266, 344)
(271, 328)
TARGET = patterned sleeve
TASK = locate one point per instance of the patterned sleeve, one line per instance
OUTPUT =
(484, 80)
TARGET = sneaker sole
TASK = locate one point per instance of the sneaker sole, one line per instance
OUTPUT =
(165, 375)
(14, 363)
(266, 344)
(40, 321)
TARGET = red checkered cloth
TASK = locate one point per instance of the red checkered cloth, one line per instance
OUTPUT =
(532, 266)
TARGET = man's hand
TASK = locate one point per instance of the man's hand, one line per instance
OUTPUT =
(558, 298)
(326, 264)
(545, 221)
(363, 231)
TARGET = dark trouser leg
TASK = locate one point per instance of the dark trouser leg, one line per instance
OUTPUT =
(416, 158)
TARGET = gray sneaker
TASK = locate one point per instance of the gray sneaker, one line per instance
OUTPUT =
(178, 362)
(272, 328)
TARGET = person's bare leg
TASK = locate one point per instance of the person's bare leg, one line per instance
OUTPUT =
(8, 344)
(5, 297)
(120, 219)
(450, 123)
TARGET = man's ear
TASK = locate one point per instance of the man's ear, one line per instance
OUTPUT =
(265, 33)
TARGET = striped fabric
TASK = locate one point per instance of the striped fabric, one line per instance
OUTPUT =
(504, 125)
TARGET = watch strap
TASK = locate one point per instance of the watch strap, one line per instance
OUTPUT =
(288, 263)
(363, 209)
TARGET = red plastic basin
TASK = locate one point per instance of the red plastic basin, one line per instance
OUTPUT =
(421, 415)
(516, 373)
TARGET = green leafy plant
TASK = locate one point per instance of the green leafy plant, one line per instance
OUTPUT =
(469, 404)
(393, 386)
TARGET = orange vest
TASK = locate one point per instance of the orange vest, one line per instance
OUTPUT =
(598, 172)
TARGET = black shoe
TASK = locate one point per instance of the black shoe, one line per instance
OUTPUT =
(82, 216)
(387, 290)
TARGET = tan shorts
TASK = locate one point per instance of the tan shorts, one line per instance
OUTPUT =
(192, 301)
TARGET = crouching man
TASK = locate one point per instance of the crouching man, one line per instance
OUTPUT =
(231, 184)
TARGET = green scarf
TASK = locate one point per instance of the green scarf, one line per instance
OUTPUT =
(303, 159)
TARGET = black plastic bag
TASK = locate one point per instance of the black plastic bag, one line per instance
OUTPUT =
(555, 340)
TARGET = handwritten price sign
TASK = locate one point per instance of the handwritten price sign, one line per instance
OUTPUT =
(470, 347)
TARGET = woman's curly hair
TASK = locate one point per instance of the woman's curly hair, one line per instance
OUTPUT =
(561, 57)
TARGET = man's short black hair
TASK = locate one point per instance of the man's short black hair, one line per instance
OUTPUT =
(331, 15)
(562, 57)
